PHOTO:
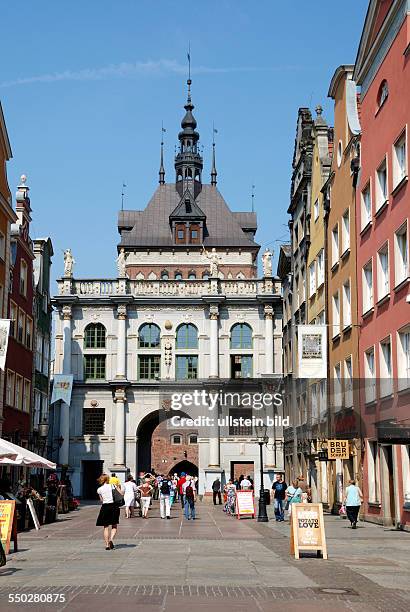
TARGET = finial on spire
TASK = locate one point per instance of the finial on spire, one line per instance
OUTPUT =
(213, 171)
(161, 166)
(189, 81)
(253, 198)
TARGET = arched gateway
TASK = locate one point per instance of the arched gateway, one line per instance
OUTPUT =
(186, 311)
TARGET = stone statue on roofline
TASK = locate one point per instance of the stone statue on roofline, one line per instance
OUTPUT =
(267, 262)
(215, 261)
(121, 261)
(69, 262)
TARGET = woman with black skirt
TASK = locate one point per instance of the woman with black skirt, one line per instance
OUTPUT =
(109, 512)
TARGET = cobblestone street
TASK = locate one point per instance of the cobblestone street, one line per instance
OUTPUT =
(216, 562)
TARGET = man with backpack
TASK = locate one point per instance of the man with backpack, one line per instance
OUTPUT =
(165, 486)
(188, 489)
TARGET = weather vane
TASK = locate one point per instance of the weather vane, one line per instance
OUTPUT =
(122, 195)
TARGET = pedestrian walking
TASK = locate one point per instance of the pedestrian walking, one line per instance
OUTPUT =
(146, 493)
(293, 496)
(304, 488)
(246, 484)
(189, 494)
(230, 490)
(174, 482)
(109, 515)
(165, 498)
(353, 500)
(279, 495)
(130, 490)
(216, 491)
(181, 482)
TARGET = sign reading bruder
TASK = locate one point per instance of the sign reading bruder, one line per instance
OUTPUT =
(308, 530)
(338, 449)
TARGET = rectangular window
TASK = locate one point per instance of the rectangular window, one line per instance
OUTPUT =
(237, 420)
(337, 387)
(405, 450)
(347, 305)
(336, 315)
(37, 408)
(373, 466)
(39, 351)
(314, 402)
(296, 291)
(346, 231)
(366, 212)
(381, 186)
(29, 332)
(21, 326)
(385, 367)
(241, 366)
(187, 367)
(13, 319)
(335, 245)
(320, 319)
(94, 367)
(23, 277)
(46, 355)
(316, 210)
(27, 395)
(2, 246)
(312, 279)
(403, 358)
(399, 160)
(93, 421)
(401, 259)
(367, 287)
(370, 375)
(348, 383)
(149, 367)
(383, 281)
(19, 392)
(320, 267)
(10, 388)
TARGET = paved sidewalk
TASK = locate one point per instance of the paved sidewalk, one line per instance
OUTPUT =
(216, 562)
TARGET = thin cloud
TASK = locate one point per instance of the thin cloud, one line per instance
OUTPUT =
(132, 69)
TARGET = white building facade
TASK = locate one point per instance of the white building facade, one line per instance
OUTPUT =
(187, 312)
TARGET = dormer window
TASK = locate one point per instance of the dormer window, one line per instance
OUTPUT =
(178, 275)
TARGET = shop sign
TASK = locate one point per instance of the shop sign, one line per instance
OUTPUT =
(245, 505)
(308, 530)
(338, 449)
(7, 510)
(62, 388)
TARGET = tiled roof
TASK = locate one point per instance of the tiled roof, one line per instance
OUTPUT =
(150, 227)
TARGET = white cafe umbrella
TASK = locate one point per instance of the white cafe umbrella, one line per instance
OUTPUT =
(11, 454)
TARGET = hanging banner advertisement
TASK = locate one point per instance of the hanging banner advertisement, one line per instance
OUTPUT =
(244, 504)
(338, 449)
(62, 388)
(312, 351)
(7, 523)
(4, 341)
(308, 529)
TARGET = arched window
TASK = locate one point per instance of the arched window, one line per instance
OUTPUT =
(94, 336)
(178, 275)
(241, 336)
(187, 336)
(164, 275)
(176, 439)
(192, 275)
(205, 275)
(149, 336)
(383, 93)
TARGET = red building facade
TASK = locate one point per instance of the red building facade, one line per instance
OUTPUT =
(19, 362)
(382, 219)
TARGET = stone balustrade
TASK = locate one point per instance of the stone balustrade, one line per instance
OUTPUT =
(166, 288)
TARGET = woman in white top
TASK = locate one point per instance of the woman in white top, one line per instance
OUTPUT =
(130, 489)
(109, 515)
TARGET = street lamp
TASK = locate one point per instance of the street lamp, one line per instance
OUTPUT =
(261, 434)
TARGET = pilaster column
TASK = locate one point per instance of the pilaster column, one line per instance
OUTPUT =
(268, 311)
(214, 454)
(121, 341)
(63, 454)
(119, 451)
(214, 342)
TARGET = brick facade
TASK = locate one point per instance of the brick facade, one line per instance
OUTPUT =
(165, 455)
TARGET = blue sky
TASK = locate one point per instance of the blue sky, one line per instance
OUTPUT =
(85, 85)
